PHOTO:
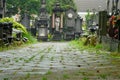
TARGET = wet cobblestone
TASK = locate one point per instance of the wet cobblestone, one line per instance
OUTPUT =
(56, 61)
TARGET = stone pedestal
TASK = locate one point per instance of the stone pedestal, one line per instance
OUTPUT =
(110, 43)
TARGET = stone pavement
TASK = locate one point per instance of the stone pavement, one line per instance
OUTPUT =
(57, 61)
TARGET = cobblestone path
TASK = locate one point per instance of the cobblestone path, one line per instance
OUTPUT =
(57, 61)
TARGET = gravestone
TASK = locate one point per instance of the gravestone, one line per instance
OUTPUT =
(102, 31)
(26, 21)
(70, 23)
(33, 28)
(102, 23)
(78, 29)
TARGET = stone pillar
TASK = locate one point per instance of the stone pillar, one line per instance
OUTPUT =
(53, 20)
(61, 21)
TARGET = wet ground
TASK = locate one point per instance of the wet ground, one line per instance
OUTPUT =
(57, 61)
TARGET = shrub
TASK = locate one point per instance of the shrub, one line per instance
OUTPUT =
(20, 27)
(16, 25)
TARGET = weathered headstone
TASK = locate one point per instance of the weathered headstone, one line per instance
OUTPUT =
(103, 23)
(70, 23)
(78, 29)
(33, 28)
(26, 20)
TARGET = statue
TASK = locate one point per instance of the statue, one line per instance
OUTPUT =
(57, 23)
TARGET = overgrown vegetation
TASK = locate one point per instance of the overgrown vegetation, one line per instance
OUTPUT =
(16, 25)
(22, 29)
(93, 46)
(84, 44)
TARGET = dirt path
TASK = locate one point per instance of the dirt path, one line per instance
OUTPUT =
(56, 61)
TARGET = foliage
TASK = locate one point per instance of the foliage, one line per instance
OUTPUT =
(16, 25)
(89, 17)
(80, 43)
(91, 40)
(44, 78)
(63, 3)
(50, 36)
(24, 5)
(20, 27)
(98, 49)
(30, 38)
(33, 5)
(115, 55)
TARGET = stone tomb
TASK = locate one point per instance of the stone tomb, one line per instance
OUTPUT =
(57, 22)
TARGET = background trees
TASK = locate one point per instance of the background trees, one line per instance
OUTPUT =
(32, 6)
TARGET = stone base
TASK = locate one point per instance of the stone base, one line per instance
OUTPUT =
(69, 36)
(42, 38)
(57, 36)
(110, 43)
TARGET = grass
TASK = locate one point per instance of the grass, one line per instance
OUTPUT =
(14, 45)
(49, 49)
(17, 44)
(66, 76)
(80, 44)
(1, 71)
(41, 57)
(5, 79)
(103, 76)
(49, 72)
(44, 78)
(62, 58)
(27, 76)
(98, 49)
(52, 58)
(115, 55)
(29, 59)
(85, 78)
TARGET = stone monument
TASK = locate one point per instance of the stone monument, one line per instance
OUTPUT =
(57, 22)
(42, 22)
